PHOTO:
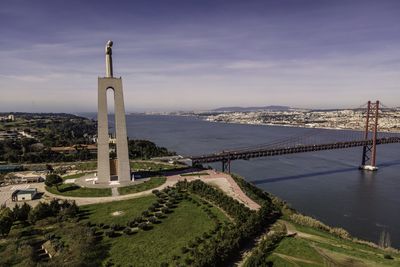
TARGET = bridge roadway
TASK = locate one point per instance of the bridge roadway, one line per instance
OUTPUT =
(226, 156)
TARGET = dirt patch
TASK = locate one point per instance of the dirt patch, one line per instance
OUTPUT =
(117, 213)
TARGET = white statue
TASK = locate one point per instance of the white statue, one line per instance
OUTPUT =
(109, 66)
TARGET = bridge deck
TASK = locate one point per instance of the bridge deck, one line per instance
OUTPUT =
(269, 152)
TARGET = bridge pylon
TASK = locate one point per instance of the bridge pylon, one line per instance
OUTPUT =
(226, 164)
(371, 125)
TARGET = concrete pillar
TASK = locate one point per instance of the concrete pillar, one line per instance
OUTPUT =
(103, 155)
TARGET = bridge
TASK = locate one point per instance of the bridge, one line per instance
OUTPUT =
(301, 144)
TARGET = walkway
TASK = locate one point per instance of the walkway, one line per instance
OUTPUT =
(221, 180)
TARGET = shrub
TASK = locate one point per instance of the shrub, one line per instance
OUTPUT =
(176, 257)
(165, 210)
(110, 233)
(139, 219)
(156, 205)
(133, 223)
(6, 221)
(184, 250)
(127, 231)
(192, 244)
(188, 261)
(206, 236)
(170, 205)
(308, 221)
(159, 215)
(145, 213)
(153, 220)
(41, 211)
(388, 257)
(53, 180)
(142, 226)
(21, 213)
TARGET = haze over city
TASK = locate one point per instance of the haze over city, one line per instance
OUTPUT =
(196, 55)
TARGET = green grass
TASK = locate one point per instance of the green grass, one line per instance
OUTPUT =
(73, 190)
(74, 176)
(195, 174)
(299, 248)
(84, 166)
(151, 248)
(321, 247)
(151, 166)
(147, 185)
(101, 213)
(136, 165)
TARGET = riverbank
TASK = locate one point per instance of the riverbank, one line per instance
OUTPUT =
(298, 240)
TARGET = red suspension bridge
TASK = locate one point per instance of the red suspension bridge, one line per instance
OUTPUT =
(310, 142)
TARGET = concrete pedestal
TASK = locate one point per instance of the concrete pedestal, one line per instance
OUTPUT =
(103, 155)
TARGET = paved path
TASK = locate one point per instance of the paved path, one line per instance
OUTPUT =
(95, 200)
(225, 182)
(114, 191)
(222, 180)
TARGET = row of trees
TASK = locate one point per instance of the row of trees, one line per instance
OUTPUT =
(167, 200)
(259, 257)
(222, 247)
(27, 150)
(27, 215)
(143, 149)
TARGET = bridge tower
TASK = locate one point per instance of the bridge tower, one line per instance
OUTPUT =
(369, 150)
(226, 164)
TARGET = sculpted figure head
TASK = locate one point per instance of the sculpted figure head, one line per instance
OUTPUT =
(108, 47)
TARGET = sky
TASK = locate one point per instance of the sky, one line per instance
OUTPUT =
(198, 55)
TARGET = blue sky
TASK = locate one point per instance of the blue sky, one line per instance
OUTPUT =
(193, 55)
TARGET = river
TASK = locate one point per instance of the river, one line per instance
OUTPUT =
(326, 185)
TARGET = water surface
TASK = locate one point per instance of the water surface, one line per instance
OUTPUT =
(326, 185)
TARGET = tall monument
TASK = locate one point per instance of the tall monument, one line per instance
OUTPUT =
(107, 169)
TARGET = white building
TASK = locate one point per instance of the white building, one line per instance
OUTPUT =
(24, 194)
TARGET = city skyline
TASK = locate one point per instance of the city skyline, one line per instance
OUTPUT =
(190, 55)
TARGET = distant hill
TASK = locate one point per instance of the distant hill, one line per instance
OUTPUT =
(243, 109)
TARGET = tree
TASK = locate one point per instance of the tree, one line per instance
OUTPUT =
(53, 180)
(49, 168)
(6, 221)
(41, 211)
(21, 213)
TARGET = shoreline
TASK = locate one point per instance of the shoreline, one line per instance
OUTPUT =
(294, 126)
(205, 118)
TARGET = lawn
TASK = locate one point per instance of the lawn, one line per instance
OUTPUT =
(136, 165)
(152, 183)
(84, 166)
(102, 213)
(160, 244)
(317, 248)
(73, 176)
(299, 249)
(73, 190)
(151, 166)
